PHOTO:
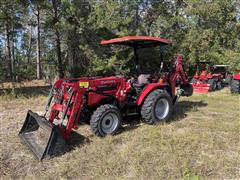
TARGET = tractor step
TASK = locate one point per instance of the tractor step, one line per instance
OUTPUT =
(131, 108)
(42, 137)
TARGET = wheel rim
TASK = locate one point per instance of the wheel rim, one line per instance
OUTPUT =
(109, 123)
(161, 108)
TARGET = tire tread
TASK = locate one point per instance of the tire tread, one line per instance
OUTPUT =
(235, 86)
(96, 116)
(146, 110)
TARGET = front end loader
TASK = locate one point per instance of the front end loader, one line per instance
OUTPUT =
(103, 101)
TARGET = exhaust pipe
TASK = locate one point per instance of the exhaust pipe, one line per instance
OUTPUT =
(43, 138)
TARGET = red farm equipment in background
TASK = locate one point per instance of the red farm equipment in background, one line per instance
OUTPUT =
(235, 82)
(103, 101)
(209, 77)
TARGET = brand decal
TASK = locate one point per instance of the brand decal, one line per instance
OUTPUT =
(107, 82)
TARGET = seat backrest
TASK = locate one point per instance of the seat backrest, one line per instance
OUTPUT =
(143, 79)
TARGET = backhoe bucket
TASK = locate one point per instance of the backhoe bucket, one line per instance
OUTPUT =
(187, 89)
(42, 137)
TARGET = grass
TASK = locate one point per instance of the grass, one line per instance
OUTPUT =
(201, 142)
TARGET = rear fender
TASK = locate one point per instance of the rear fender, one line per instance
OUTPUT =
(149, 88)
(217, 76)
(209, 76)
(236, 76)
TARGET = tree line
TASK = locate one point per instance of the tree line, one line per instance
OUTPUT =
(47, 38)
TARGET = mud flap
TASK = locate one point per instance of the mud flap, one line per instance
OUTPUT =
(42, 137)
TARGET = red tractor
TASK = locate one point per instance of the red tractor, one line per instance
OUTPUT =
(103, 101)
(209, 77)
(235, 82)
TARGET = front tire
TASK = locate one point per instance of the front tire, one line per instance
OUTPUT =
(157, 107)
(105, 120)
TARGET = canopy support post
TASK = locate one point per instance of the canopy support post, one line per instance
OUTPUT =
(136, 59)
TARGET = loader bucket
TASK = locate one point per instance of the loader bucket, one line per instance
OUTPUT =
(42, 137)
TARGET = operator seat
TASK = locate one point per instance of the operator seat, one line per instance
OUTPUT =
(141, 81)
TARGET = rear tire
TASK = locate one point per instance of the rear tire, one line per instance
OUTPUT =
(157, 107)
(235, 86)
(213, 84)
(105, 120)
